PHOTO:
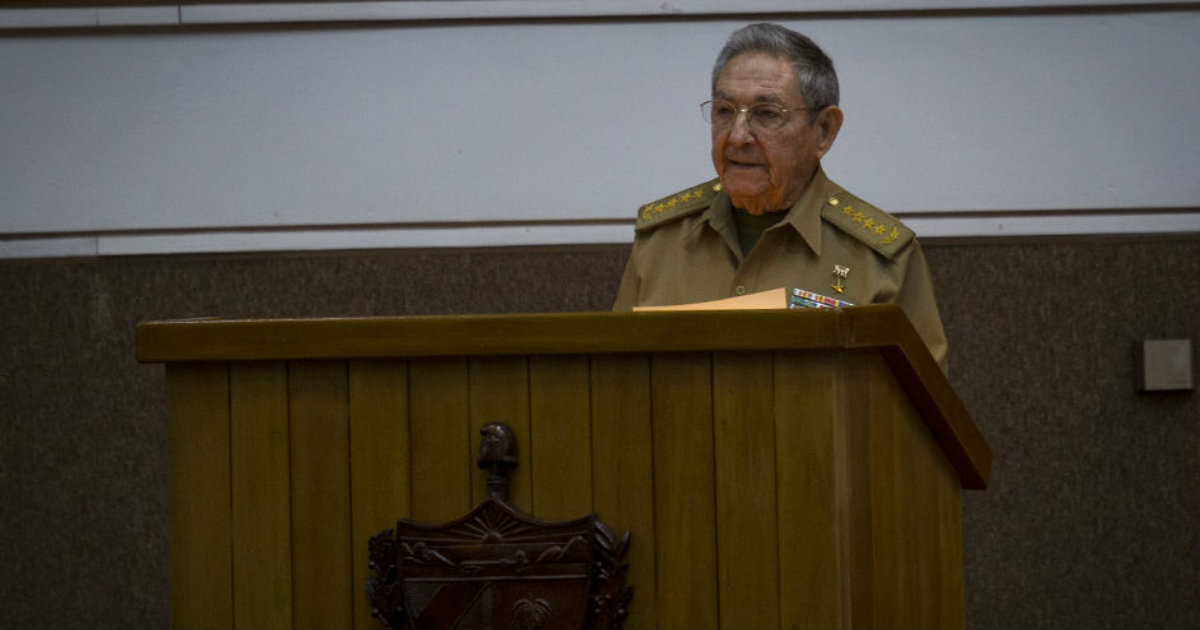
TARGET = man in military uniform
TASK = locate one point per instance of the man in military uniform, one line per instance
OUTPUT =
(772, 218)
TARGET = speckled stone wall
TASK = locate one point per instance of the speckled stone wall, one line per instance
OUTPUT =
(1091, 521)
(1093, 515)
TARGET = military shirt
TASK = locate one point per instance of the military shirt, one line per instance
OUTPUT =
(829, 242)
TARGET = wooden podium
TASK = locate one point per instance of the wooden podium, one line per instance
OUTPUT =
(775, 468)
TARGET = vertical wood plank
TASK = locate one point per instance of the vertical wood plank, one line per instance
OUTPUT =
(685, 511)
(921, 527)
(623, 470)
(807, 455)
(561, 441)
(949, 498)
(889, 561)
(856, 540)
(321, 536)
(747, 525)
(500, 393)
(262, 545)
(198, 451)
(439, 427)
(379, 462)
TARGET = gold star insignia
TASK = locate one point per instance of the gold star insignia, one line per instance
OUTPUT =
(839, 273)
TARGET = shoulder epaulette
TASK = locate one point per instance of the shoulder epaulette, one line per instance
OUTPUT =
(879, 230)
(678, 205)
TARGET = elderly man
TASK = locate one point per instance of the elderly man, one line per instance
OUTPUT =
(772, 218)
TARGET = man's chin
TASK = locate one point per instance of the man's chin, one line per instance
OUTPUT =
(754, 204)
(743, 186)
(753, 199)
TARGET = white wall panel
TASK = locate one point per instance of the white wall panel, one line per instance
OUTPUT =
(413, 124)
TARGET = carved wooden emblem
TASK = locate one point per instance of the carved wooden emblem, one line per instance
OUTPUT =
(497, 567)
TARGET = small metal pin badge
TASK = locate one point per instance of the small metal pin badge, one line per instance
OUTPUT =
(839, 274)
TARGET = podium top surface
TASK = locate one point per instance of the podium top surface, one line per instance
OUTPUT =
(883, 328)
(218, 339)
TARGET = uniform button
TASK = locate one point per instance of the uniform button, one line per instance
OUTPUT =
(741, 290)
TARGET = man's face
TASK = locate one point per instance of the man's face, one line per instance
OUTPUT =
(765, 170)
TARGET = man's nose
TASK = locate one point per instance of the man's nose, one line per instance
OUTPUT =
(739, 131)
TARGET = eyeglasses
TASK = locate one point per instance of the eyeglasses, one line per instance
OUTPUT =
(721, 114)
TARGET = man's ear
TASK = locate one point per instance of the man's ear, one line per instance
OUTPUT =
(827, 125)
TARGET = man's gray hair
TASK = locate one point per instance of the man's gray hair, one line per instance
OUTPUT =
(814, 69)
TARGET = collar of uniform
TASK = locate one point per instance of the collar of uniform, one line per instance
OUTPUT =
(719, 217)
(805, 215)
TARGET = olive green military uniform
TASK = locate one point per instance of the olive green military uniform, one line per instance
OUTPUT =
(830, 242)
